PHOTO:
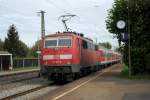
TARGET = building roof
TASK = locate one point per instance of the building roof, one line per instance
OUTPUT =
(5, 53)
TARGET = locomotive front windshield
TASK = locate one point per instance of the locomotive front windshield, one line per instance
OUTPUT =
(58, 42)
(64, 42)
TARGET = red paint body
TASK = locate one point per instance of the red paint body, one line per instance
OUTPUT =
(80, 55)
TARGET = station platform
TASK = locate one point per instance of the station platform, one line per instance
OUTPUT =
(102, 85)
(7, 73)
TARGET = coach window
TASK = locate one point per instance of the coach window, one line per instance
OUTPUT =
(96, 47)
(84, 44)
(78, 42)
(88, 45)
(93, 47)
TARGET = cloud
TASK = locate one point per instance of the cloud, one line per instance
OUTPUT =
(23, 13)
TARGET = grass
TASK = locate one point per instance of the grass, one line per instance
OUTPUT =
(125, 74)
(24, 68)
(125, 71)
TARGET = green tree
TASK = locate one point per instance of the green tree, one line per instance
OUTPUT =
(12, 43)
(119, 11)
(139, 35)
(23, 49)
(146, 34)
(106, 45)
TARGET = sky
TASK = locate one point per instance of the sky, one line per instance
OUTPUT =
(90, 20)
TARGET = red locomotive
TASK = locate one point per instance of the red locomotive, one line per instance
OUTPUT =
(66, 56)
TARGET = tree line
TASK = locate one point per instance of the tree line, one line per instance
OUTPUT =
(14, 45)
(137, 12)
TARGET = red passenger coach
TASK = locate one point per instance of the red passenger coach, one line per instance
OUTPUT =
(65, 56)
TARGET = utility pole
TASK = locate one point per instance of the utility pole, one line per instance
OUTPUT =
(42, 35)
(42, 24)
(129, 37)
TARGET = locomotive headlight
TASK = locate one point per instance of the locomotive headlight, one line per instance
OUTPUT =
(66, 56)
(48, 57)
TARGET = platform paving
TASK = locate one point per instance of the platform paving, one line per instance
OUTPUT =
(107, 86)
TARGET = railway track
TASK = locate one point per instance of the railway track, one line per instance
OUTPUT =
(17, 80)
(25, 92)
(18, 84)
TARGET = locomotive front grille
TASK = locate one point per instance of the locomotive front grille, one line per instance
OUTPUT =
(60, 69)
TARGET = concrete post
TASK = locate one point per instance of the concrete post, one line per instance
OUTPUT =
(11, 61)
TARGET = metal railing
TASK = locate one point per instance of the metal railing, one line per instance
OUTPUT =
(25, 62)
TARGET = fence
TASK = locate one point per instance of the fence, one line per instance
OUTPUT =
(25, 62)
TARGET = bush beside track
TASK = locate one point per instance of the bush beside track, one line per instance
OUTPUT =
(125, 74)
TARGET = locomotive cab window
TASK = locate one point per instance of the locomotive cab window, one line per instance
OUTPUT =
(58, 42)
